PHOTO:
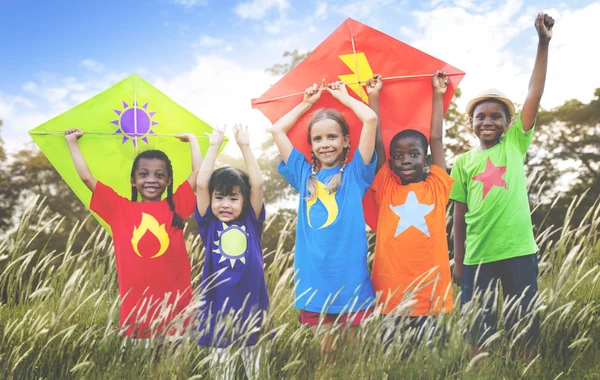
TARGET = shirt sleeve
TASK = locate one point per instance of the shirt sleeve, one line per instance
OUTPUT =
(293, 169)
(440, 181)
(364, 173)
(204, 222)
(459, 187)
(184, 200)
(257, 222)
(516, 136)
(106, 202)
(381, 182)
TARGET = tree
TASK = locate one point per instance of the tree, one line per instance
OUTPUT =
(9, 195)
(567, 155)
(284, 68)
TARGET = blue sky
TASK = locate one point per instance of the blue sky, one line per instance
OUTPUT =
(211, 55)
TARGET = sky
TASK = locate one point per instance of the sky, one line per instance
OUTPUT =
(210, 55)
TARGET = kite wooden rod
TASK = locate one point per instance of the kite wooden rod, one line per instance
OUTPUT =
(359, 82)
(112, 133)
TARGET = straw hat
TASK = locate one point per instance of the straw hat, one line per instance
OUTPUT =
(491, 93)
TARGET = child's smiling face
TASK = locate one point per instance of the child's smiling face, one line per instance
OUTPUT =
(227, 207)
(489, 121)
(151, 179)
(328, 142)
(408, 159)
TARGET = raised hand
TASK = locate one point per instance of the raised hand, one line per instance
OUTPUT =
(242, 137)
(73, 134)
(185, 137)
(374, 85)
(217, 136)
(337, 89)
(440, 82)
(313, 93)
(544, 24)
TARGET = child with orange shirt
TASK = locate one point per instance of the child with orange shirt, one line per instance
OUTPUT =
(411, 252)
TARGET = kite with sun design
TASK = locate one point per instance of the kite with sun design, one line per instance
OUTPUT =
(353, 53)
(145, 119)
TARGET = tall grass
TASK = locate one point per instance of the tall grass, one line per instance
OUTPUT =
(59, 318)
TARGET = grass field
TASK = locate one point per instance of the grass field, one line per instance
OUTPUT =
(59, 316)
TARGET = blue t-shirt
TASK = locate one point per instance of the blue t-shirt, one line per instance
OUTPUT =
(233, 280)
(331, 242)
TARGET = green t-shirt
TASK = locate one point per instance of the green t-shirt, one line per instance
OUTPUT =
(492, 184)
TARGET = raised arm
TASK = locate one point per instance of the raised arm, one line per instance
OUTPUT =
(283, 125)
(543, 24)
(460, 229)
(206, 169)
(440, 85)
(366, 145)
(256, 179)
(196, 156)
(72, 135)
(374, 86)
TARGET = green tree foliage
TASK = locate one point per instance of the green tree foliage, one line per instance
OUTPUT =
(567, 156)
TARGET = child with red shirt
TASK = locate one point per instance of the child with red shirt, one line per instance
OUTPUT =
(152, 262)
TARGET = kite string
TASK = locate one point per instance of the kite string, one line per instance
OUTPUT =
(358, 82)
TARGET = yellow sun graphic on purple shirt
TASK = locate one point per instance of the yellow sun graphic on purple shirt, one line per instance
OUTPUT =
(232, 244)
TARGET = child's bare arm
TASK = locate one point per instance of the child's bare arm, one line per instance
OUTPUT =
(196, 155)
(374, 86)
(543, 25)
(283, 125)
(440, 85)
(256, 179)
(366, 145)
(72, 135)
(460, 227)
(206, 169)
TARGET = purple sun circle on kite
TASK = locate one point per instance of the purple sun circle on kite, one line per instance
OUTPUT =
(134, 122)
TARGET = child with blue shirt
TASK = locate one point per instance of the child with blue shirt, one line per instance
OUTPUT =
(332, 279)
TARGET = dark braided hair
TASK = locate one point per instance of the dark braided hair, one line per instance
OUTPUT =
(177, 219)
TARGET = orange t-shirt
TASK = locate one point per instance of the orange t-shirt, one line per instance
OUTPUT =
(411, 252)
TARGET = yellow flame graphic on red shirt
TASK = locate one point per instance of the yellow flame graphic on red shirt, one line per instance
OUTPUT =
(150, 224)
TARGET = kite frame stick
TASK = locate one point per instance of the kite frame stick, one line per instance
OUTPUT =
(135, 105)
(359, 82)
(357, 71)
(112, 133)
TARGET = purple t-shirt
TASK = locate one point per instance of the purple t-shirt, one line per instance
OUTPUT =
(233, 280)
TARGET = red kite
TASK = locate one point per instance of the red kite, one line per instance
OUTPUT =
(353, 53)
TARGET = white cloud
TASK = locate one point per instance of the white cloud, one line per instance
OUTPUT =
(483, 45)
(321, 11)
(212, 42)
(257, 9)
(361, 9)
(92, 65)
(190, 3)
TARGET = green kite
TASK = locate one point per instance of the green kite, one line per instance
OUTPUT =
(118, 123)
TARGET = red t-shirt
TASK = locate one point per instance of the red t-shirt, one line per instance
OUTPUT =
(152, 260)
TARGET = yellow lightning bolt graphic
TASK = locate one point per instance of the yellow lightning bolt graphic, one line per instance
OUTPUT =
(364, 73)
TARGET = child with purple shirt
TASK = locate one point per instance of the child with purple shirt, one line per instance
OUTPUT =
(230, 214)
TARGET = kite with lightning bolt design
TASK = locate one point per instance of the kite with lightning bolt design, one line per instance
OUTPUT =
(120, 122)
(353, 53)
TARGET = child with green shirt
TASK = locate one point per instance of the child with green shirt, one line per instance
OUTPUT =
(493, 235)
